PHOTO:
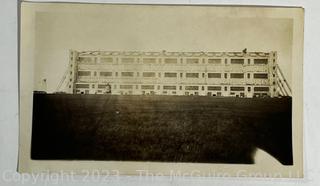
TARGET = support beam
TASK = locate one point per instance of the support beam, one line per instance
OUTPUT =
(62, 80)
(282, 76)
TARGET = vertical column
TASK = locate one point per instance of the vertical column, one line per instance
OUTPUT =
(247, 75)
(117, 75)
(272, 63)
(73, 66)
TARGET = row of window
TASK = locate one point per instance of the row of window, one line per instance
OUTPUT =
(217, 61)
(256, 94)
(241, 94)
(174, 87)
(175, 75)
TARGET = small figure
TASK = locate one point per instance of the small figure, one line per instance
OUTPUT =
(244, 50)
(108, 88)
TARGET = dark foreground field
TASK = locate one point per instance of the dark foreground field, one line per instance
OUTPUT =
(160, 128)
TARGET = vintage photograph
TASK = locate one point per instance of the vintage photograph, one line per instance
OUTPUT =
(197, 85)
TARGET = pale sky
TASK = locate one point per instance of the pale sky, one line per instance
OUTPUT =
(154, 28)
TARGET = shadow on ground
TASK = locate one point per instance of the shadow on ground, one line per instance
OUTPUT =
(160, 128)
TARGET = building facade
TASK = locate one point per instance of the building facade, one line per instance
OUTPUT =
(238, 74)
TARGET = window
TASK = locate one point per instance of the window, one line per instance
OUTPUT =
(237, 88)
(84, 73)
(225, 75)
(248, 76)
(169, 87)
(214, 75)
(214, 61)
(237, 61)
(85, 59)
(170, 60)
(260, 76)
(214, 88)
(191, 88)
(127, 74)
(225, 88)
(95, 73)
(249, 89)
(127, 60)
(192, 61)
(181, 75)
(237, 75)
(149, 74)
(106, 60)
(260, 61)
(249, 61)
(126, 86)
(170, 74)
(192, 75)
(147, 87)
(226, 61)
(149, 60)
(261, 89)
(102, 85)
(92, 86)
(82, 85)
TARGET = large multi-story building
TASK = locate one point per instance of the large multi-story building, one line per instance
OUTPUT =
(239, 74)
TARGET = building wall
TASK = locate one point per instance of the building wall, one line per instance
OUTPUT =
(173, 73)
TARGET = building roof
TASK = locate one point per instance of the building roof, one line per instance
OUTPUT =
(172, 54)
